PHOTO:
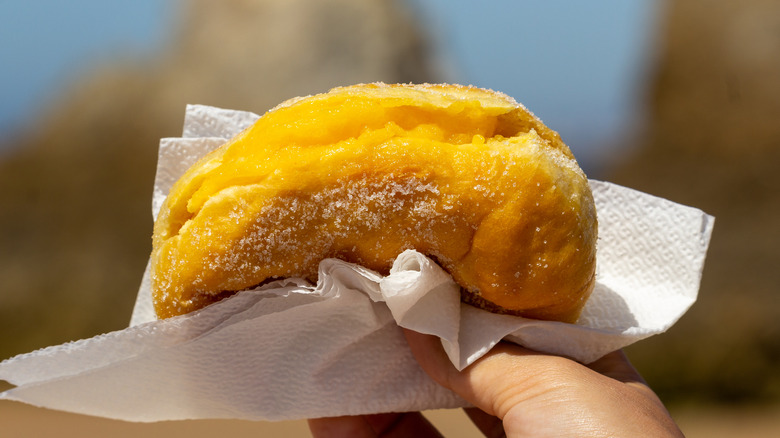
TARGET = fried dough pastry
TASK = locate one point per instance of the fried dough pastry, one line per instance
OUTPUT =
(464, 175)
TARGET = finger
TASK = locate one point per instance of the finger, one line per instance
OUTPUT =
(532, 392)
(484, 383)
(489, 425)
(617, 366)
(341, 426)
(375, 425)
(434, 361)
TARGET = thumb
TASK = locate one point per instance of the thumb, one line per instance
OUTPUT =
(483, 383)
(537, 394)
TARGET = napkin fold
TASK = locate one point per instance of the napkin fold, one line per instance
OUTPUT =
(291, 350)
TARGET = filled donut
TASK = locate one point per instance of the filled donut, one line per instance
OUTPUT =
(467, 176)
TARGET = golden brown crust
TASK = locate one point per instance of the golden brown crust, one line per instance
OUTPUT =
(568, 313)
(465, 175)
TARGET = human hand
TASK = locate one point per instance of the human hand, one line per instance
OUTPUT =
(518, 392)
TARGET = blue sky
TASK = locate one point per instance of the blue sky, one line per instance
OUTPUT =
(46, 44)
(578, 65)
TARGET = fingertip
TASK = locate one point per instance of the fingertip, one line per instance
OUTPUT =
(489, 425)
(420, 342)
(430, 355)
(617, 366)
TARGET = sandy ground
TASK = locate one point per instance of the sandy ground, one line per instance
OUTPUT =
(19, 420)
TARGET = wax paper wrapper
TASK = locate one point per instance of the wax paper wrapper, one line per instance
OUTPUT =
(292, 350)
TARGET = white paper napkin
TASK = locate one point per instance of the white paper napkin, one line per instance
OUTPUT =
(292, 350)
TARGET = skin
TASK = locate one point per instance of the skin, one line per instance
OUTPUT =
(522, 393)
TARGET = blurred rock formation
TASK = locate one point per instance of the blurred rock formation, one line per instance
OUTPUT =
(75, 222)
(75, 196)
(713, 142)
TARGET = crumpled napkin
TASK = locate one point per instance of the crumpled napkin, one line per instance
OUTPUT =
(291, 350)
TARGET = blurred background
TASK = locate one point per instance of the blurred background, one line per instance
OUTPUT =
(680, 99)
